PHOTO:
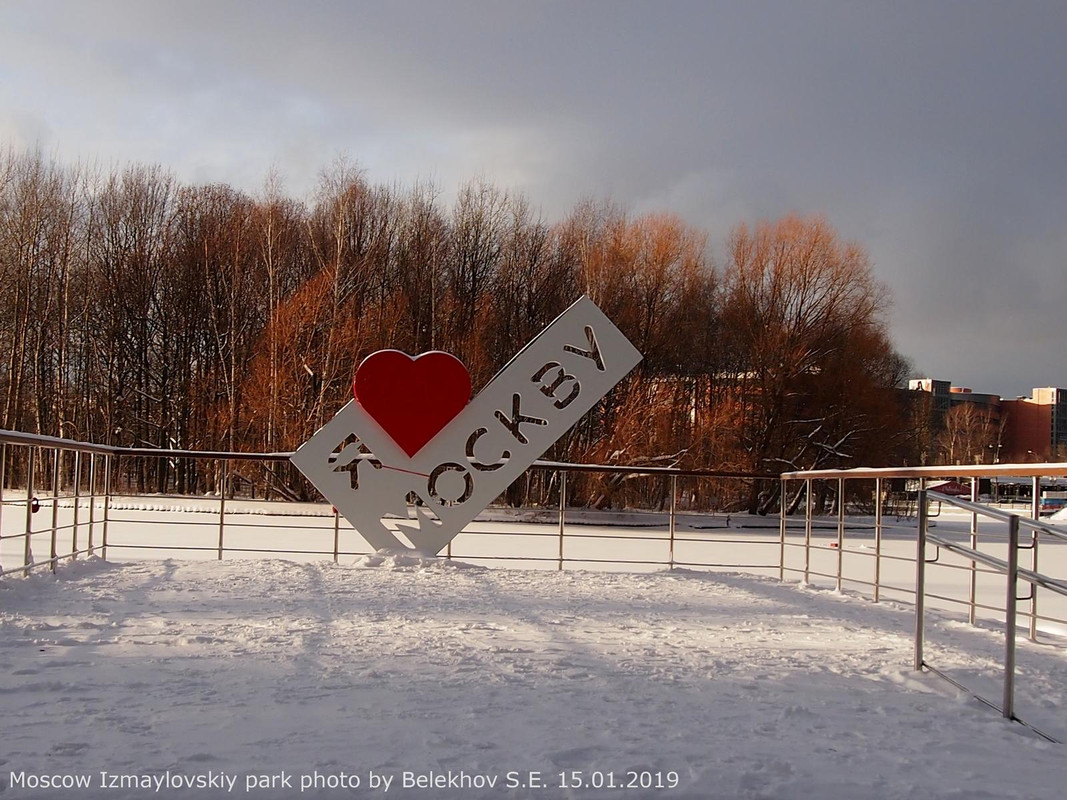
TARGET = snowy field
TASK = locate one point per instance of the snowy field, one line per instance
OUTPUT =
(171, 667)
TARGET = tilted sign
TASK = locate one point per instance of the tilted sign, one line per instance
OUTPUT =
(411, 430)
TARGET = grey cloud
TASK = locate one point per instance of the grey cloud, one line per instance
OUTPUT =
(928, 131)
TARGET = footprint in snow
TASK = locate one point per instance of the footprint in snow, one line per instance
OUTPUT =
(69, 748)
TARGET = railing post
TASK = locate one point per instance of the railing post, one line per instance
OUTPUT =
(222, 502)
(972, 580)
(77, 502)
(55, 507)
(562, 512)
(3, 477)
(1035, 513)
(92, 500)
(920, 581)
(27, 550)
(840, 531)
(107, 504)
(809, 508)
(781, 530)
(1010, 620)
(674, 501)
(877, 538)
(337, 534)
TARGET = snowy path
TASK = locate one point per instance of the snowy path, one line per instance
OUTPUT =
(744, 687)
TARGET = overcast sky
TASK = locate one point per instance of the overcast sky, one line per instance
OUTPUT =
(933, 133)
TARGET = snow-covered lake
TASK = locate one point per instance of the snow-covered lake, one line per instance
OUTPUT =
(638, 681)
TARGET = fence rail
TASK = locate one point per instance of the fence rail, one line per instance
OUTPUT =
(976, 562)
(1012, 572)
(90, 468)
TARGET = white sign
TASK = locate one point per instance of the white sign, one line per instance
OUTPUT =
(544, 390)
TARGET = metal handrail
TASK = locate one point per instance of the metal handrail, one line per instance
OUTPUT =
(977, 508)
(977, 562)
(999, 564)
(1044, 527)
(1047, 470)
(39, 440)
(55, 442)
(1000, 514)
(1010, 568)
(1060, 587)
(881, 474)
(36, 444)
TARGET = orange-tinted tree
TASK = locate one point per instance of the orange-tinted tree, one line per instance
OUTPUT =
(807, 342)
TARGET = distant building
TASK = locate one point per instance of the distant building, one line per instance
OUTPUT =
(1029, 428)
(990, 405)
(940, 398)
(1035, 428)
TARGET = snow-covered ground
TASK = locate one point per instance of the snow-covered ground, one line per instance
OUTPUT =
(736, 686)
(719, 684)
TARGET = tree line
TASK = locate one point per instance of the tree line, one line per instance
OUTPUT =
(136, 310)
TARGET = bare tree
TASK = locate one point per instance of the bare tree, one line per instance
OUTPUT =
(805, 331)
(969, 435)
(134, 310)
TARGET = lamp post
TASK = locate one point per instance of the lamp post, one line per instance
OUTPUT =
(996, 478)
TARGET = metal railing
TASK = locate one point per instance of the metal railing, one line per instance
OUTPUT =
(875, 494)
(870, 486)
(82, 460)
(1009, 568)
(81, 479)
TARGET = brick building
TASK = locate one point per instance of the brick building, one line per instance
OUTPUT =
(1035, 427)
(1025, 429)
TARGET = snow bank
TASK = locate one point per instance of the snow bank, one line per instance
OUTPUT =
(730, 686)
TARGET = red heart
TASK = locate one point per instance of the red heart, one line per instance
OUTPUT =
(412, 398)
